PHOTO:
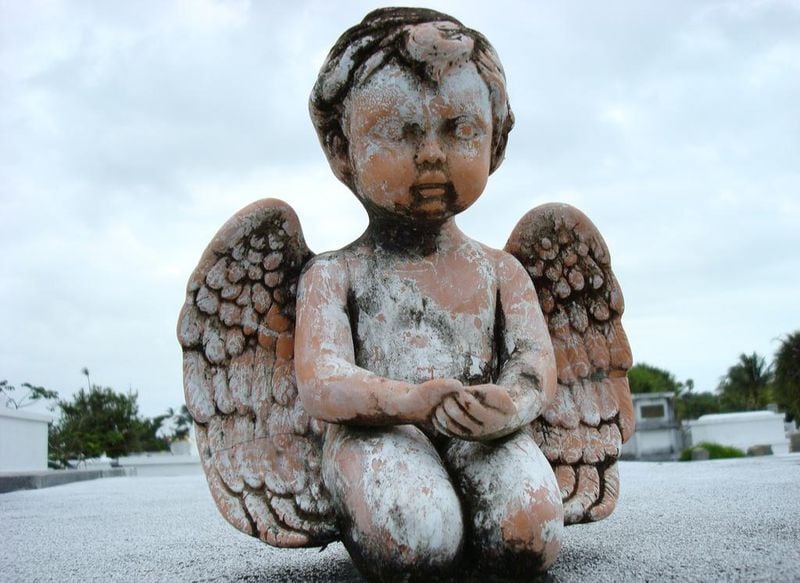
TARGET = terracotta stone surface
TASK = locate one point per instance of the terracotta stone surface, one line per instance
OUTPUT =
(439, 406)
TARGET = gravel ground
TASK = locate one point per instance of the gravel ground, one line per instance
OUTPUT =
(730, 520)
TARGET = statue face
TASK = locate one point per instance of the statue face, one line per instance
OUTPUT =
(420, 150)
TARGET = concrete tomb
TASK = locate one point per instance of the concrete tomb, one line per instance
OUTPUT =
(657, 435)
(439, 406)
(743, 430)
(23, 440)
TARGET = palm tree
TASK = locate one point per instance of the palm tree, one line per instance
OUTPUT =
(787, 375)
(746, 386)
(85, 372)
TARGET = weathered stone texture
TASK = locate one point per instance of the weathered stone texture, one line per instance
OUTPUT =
(436, 404)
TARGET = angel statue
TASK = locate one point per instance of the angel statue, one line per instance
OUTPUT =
(441, 407)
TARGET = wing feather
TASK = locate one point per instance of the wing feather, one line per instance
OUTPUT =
(261, 451)
(269, 528)
(584, 395)
(240, 379)
(606, 400)
(608, 498)
(593, 449)
(198, 387)
(585, 495)
(190, 327)
(566, 480)
(622, 394)
(562, 412)
(231, 505)
(222, 394)
(582, 430)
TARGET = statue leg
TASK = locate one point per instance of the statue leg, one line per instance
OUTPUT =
(398, 512)
(513, 504)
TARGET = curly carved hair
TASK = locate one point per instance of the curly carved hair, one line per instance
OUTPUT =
(387, 35)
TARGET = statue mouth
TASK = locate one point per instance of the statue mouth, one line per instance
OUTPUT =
(428, 190)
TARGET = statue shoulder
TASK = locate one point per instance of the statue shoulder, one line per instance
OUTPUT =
(503, 263)
(330, 270)
(330, 261)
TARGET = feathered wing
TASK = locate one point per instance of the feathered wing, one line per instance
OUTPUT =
(260, 450)
(582, 431)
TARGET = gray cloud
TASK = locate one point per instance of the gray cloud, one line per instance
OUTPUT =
(131, 132)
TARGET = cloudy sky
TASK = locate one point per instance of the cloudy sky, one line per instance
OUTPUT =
(130, 131)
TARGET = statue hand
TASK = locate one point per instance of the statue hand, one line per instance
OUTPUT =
(476, 413)
(426, 397)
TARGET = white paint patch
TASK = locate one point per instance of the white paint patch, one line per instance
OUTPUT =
(420, 510)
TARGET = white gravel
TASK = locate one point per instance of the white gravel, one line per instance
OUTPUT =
(731, 520)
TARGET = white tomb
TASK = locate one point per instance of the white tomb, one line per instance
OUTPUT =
(742, 430)
(23, 440)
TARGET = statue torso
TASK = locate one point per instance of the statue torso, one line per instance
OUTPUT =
(420, 318)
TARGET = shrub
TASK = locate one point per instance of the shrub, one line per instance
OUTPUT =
(102, 421)
(715, 451)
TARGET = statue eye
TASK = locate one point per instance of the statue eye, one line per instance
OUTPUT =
(389, 129)
(413, 131)
(393, 130)
(465, 129)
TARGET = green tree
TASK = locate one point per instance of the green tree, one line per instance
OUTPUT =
(787, 375)
(644, 378)
(31, 395)
(179, 424)
(746, 386)
(99, 421)
(691, 405)
(147, 428)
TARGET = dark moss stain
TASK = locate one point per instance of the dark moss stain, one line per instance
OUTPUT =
(353, 313)
(500, 355)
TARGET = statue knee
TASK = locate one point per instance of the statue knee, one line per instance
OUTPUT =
(534, 532)
(514, 504)
(525, 538)
(408, 540)
(398, 512)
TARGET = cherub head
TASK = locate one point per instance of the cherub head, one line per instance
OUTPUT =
(412, 112)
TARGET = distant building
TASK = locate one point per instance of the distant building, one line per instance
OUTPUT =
(23, 440)
(657, 435)
(742, 430)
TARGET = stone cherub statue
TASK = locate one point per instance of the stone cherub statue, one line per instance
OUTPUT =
(435, 404)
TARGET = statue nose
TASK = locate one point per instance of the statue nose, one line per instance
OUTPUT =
(430, 150)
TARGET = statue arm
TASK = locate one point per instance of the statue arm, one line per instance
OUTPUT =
(526, 381)
(527, 362)
(331, 386)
